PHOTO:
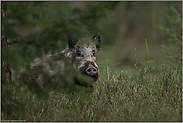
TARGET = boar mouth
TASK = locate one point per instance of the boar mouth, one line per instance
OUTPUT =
(88, 70)
(95, 76)
(86, 82)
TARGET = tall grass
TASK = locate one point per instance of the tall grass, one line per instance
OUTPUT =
(148, 94)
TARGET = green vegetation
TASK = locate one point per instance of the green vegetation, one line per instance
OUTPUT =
(148, 90)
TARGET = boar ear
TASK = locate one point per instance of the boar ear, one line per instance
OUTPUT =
(71, 43)
(98, 43)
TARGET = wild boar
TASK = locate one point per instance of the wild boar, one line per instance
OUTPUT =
(81, 53)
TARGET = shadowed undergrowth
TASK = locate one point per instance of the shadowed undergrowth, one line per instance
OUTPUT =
(118, 97)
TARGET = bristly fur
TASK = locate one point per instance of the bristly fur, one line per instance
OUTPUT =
(81, 54)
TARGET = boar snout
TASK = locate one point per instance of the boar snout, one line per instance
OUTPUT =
(91, 70)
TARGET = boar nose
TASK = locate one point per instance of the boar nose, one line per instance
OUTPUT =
(91, 71)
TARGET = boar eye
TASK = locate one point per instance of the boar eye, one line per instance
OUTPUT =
(79, 53)
(93, 51)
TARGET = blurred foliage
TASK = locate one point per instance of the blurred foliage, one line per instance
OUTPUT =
(126, 28)
(34, 29)
(174, 51)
